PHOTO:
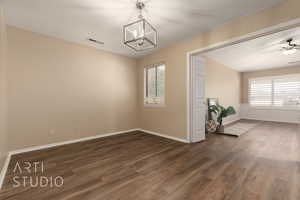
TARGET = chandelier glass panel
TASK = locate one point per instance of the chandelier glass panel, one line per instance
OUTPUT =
(140, 35)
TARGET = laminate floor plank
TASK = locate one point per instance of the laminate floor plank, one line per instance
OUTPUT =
(263, 164)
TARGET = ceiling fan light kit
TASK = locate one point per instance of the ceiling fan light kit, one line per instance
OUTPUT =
(289, 51)
(140, 35)
(291, 48)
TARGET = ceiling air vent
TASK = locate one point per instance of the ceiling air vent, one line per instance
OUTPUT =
(95, 41)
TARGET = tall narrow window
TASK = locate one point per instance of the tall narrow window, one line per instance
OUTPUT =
(154, 77)
(275, 91)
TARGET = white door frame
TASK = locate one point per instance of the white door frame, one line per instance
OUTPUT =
(264, 32)
(197, 94)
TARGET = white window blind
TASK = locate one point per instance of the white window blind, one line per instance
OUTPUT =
(286, 91)
(154, 84)
(275, 91)
(260, 92)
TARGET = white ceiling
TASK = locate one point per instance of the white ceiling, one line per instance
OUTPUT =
(76, 20)
(258, 54)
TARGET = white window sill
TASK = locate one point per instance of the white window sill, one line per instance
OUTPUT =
(154, 105)
(294, 108)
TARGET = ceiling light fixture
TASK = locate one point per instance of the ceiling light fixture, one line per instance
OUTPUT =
(140, 35)
(291, 47)
(289, 51)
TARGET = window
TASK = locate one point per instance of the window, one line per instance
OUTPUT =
(260, 92)
(275, 91)
(286, 91)
(154, 77)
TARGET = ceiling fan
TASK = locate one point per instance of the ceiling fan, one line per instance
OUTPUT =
(290, 47)
(287, 47)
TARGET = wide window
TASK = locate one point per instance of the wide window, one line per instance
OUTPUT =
(275, 91)
(154, 77)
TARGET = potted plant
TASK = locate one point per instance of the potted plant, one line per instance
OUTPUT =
(221, 113)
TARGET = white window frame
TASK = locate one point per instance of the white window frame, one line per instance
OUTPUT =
(158, 102)
(272, 78)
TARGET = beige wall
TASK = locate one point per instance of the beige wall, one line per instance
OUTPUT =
(61, 91)
(271, 72)
(171, 119)
(3, 92)
(222, 82)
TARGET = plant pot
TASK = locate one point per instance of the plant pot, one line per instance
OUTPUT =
(211, 126)
(220, 129)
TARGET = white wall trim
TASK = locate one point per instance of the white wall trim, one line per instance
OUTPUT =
(266, 120)
(69, 142)
(4, 170)
(35, 148)
(286, 115)
(164, 136)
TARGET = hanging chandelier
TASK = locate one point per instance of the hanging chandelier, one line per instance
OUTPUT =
(140, 35)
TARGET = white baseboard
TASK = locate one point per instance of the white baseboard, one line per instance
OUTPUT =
(69, 142)
(47, 146)
(11, 153)
(164, 136)
(283, 114)
(267, 120)
(4, 169)
(19, 151)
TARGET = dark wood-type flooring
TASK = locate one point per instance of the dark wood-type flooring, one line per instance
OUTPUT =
(263, 164)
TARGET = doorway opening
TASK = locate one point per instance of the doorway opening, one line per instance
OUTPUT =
(196, 75)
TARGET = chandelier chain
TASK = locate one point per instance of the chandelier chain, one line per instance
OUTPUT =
(140, 6)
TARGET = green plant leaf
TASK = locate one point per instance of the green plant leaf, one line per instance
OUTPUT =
(214, 109)
(230, 111)
(221, 111)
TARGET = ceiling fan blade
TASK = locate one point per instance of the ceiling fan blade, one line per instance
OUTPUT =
(283, 40)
